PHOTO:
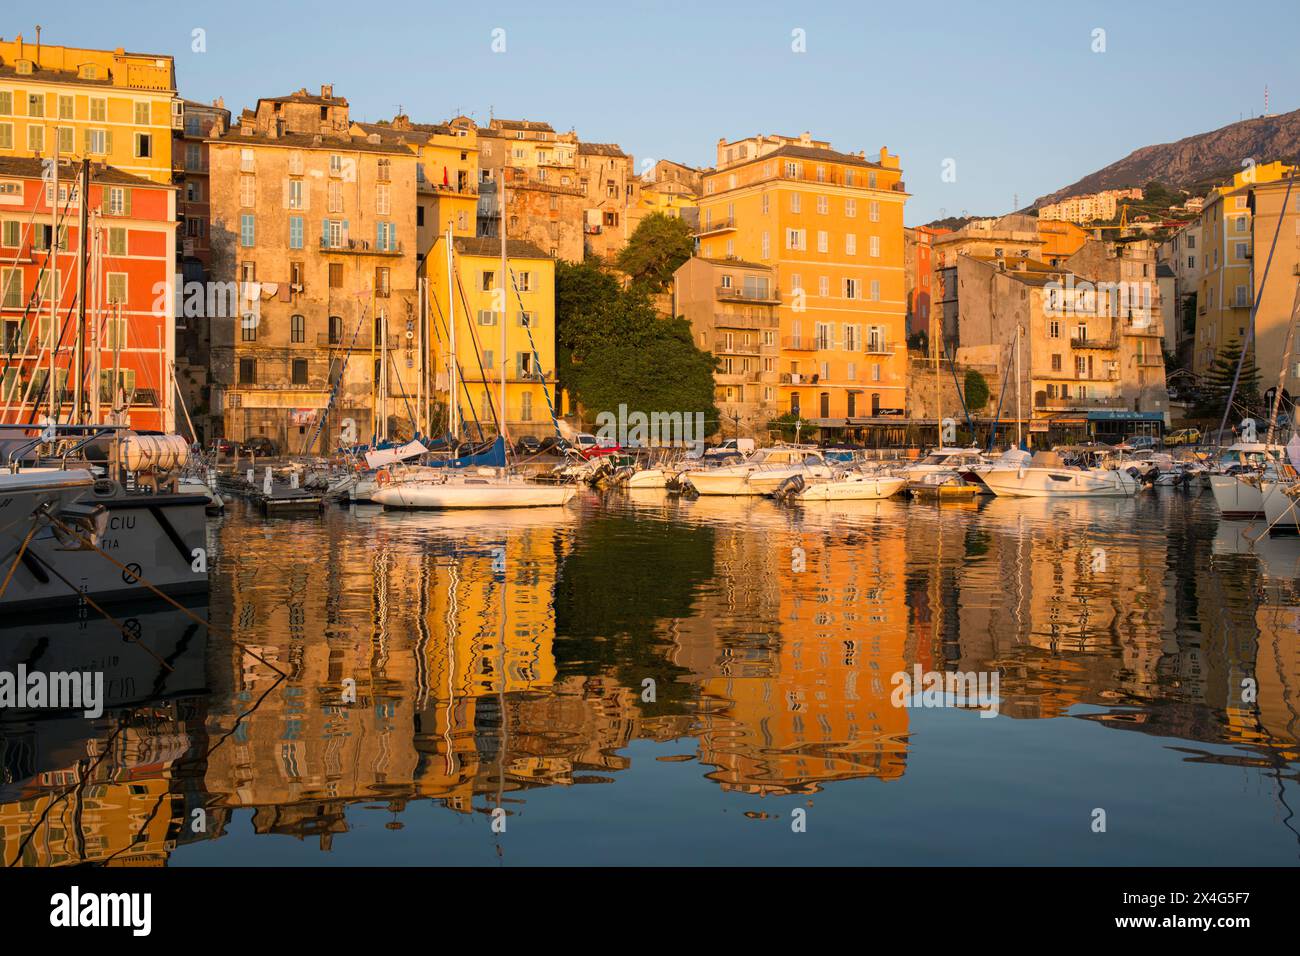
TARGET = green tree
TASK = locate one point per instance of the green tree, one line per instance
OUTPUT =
(976, 390)
(613, 349)
(1216, 385)
(655, 250)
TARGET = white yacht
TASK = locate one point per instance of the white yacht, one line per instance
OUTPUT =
(762, 472)
(448, 491)
(964, 461)
(1235, 478)
(1048, 474)
(1281, 500)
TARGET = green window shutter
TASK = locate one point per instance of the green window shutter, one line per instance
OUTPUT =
(126, 201)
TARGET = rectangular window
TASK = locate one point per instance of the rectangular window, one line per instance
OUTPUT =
(336, 275)
(796, 239)
(875, 290)
(35, 138)
(119, 201)
(116, 288)
(11, 284)
(98, 109)
(36, 104)
(298, 330)
(851, 244)
(795, 202)
(143, 145)
(247, 229)
(247, 371)
(248, 327)
(6, 135)
(874, 245)
(141, 114)
(299, 369)
(116, 241)
(246, 160)
(248, 191)
(873, 211)
(66, 141)
(97, 141)
(487, 281)
(335, 197)
(381, 281)
(295, 193)
(383, 201)
(6, 103)
(295, 232)
(850, 290)
(823, 241)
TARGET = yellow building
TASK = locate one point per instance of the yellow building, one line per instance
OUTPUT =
(831, 224)
(529, 360)
(1225, 292)
(118, 108)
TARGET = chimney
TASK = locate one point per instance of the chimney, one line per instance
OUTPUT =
(327, 91)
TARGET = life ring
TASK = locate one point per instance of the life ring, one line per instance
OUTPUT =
(381, 478)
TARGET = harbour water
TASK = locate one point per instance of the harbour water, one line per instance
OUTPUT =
(641, 679)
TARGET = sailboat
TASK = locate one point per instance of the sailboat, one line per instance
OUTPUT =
(486, 487)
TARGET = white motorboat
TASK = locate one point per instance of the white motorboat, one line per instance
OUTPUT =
(965, 461)
(762, 473)
(650, 478)
(445, 492)
(1281, 501)
(855, 486)
(1048, 475)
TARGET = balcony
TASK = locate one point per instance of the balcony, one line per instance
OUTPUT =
(736, 347)
(1075, 402)
(731, 293)
(796, 343)
(1142, 325)
(1109, 343)
(878, 347)
(726, 320)
(798, 378)
(1151, 361)
(717, 228)
(358, 247)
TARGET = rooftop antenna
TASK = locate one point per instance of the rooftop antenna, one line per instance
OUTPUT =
(38, 44)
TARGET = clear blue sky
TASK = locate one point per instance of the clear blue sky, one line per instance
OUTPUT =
(1012, 91)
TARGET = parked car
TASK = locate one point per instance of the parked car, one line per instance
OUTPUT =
(589, 446)
(1143, 442)
(528, 445)
(225, 446)
(261, 446)
(1184, 436)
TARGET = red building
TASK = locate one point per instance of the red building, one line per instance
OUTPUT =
(129, 331)
(920, 294)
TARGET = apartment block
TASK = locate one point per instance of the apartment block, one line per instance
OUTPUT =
(1088, 336)
(1089, 208)
(1183, 254)
(734, 311)
(117, 108)
(315, 226)
(672, 189)
(1225, 290)
(1279, 296)
(609, 180)
(830, 225)
(129, 335)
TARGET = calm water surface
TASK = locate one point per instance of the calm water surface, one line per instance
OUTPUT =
(646, 680)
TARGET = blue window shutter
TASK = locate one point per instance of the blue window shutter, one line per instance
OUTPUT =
(324, 232)
(379, 235)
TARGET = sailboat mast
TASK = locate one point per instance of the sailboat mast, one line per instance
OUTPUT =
(453, 425)
(938, 386)
(505, 279)
(83, 196)
(1019, 440)
(52, 275)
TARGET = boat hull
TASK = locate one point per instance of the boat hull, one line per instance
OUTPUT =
(159, 539)
(1059, 483)
(1280, 509)
(439, 496)
(855, 489)
(1237, 499)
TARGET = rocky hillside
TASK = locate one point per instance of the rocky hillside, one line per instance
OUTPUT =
(1196, 160)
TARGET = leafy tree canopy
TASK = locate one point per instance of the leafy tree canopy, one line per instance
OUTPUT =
(655, 250)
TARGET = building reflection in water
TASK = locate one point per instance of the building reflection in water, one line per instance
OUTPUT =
(466, 659)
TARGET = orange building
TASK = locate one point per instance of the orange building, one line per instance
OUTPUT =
(831, 225)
